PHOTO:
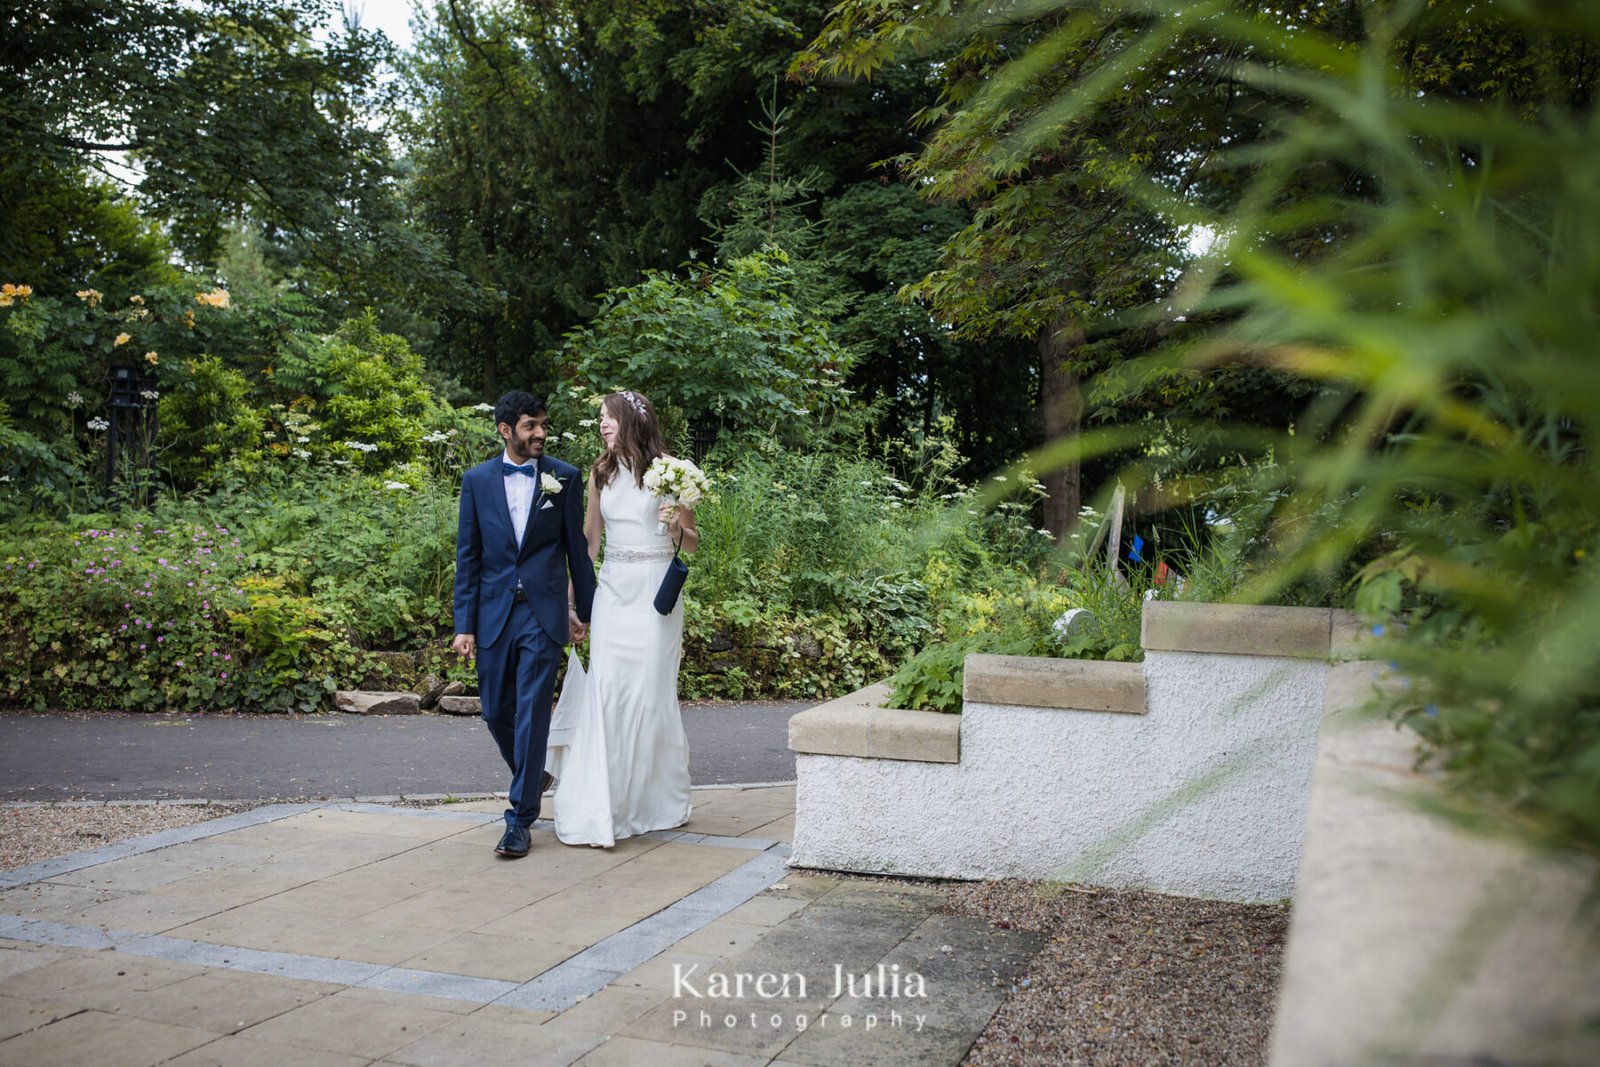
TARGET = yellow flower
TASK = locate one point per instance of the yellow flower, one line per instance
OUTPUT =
(136, 299)
(90, 296)
(9, 294)
(217, 298)
(122, 339)
(188, 318)
(151, 358)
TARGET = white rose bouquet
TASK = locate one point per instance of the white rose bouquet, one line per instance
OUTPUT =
(675, 481)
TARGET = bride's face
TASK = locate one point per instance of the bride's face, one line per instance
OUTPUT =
(608, 427)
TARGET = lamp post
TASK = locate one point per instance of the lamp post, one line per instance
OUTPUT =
(133, 420)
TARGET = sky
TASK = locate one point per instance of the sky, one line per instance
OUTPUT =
(393, 17)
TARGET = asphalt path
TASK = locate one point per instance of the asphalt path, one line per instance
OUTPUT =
(110, 756)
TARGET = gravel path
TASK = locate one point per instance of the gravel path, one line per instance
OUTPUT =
(28, 835)
(1132, 978)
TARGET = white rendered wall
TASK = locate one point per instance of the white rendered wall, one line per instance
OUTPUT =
(1204, 795)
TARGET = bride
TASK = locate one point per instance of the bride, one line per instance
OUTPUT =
(624, 769)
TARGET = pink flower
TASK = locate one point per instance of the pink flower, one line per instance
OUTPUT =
(224, 674)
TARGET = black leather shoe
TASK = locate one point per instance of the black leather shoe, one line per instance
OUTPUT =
(546, 783)
(515, 844)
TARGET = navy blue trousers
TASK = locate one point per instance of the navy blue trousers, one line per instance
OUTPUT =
(517, 682)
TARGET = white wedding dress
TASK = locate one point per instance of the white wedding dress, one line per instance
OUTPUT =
(617, 748)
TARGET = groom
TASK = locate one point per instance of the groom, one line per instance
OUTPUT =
(519, 536)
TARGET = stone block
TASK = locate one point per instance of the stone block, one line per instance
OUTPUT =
(1040, 682)
(839, 727)
(459, 705)
(926, 736)
(1350, 638)
(356, 702)
(1237, 629)
(859, 725)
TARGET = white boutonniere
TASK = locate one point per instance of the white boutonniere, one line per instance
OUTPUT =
(550, 484)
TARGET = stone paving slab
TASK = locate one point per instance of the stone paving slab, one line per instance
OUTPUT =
(356, 933)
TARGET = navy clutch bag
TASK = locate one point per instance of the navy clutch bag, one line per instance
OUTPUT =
(672, 582)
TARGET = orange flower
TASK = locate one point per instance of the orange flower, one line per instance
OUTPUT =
(10, 294)
(90, 296)
(217, 298)
(188, 318)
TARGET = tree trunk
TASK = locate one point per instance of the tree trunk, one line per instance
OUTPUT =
(1061, 413)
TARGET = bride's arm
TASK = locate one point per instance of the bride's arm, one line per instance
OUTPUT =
(682, 522)
(593, 524)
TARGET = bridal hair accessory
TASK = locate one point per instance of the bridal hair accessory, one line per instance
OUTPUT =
(634, 400)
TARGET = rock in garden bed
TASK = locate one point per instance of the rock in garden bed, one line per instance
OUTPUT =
(357, 702)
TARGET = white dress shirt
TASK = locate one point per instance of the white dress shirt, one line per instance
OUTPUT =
(519, 496)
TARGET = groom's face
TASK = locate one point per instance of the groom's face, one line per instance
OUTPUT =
(525, 440)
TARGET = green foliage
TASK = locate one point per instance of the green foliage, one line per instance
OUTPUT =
(209, 430)
(238, 110)
(726, 341)
(1417, 241)
(625, 113)
(371, 388)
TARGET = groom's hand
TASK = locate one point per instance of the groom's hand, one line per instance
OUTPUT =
(465, 645)
(579, 630)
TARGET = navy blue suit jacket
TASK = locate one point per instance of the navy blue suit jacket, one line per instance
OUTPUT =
(489, 563)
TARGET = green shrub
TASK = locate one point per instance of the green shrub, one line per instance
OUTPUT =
(133, 618)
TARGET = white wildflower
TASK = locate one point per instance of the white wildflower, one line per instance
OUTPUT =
(99, 425)
(396, 485)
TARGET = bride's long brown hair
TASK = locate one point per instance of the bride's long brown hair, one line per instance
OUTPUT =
(638, 441)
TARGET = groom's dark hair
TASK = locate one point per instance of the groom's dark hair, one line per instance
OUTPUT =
(510, 408)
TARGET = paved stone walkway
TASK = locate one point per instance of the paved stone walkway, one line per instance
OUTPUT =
(359, 933)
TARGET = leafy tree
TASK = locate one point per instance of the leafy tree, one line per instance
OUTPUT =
(562, 148)
(1056, 247)
(224, 111)
(722, 342)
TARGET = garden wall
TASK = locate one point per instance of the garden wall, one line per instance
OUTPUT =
(1187, 773)
(1414, 940)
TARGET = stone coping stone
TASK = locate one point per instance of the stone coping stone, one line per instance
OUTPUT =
(1044, 682)
(1238, 629)
(859, 725)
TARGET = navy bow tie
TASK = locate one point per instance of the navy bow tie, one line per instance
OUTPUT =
(508, 469)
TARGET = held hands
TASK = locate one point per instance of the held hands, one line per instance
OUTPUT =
(465, 645)
(579, 629)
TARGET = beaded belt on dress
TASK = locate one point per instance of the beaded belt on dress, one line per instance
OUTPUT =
(624, 554)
